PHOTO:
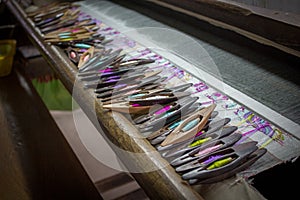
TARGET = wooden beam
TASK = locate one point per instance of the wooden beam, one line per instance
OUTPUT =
(274, 29)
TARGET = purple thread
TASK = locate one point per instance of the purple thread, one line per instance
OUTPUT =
(131, 43)
(142, 54)
(164, 109)
(105, 70)
(120, 86)
(156, 57)
(199, 133)
(214, 98)
(249, 133)
(200, 87)
(177, 72)
(111, 80)
(135, 105)
(107, 29)
(113, 77)
(211, 159)
(240, 109)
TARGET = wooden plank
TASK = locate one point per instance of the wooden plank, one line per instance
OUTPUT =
(282, 5)
(264, 26)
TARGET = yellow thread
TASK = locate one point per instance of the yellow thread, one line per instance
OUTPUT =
(244, 120)
(220, 163)
(199, 142)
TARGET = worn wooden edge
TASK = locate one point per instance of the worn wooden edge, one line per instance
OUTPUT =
(263, 27)
(163, 183)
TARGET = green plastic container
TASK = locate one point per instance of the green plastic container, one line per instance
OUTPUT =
(7, 52)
